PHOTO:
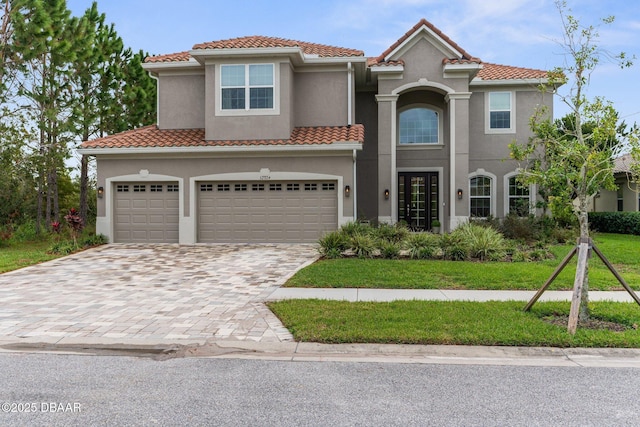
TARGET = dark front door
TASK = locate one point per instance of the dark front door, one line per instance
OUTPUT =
(418, 199)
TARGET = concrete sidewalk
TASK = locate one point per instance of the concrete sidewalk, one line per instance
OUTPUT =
(385, 295)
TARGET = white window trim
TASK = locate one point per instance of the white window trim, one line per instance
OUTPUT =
(492, 196)
(440, 142)
(487, 119)
(248, 111)
(532, 194)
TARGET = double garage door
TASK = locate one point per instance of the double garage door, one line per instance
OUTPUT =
(287, 211)
(227, 212)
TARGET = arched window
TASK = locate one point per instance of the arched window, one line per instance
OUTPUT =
(480, 196)
(419, 125)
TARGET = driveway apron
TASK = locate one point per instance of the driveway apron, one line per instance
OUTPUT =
(159, 293)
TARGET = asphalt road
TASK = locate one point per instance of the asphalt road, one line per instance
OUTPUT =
(50, 389)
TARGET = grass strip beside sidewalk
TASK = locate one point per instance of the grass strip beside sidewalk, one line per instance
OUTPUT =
(455, 323)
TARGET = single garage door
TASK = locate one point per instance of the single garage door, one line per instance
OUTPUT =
(288, 211)
(146, 212)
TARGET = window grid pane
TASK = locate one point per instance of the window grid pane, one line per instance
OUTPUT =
(233, 99)
(500, 101)
(232, 75)
(261, 75)
(261, 97)
(500, 119)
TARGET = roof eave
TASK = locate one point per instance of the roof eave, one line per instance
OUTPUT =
(508, 82)
(387, 69)
(336, 146)
(170, 65)
(295, 53)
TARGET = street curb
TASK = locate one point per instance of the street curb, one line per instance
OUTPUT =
(315, 352)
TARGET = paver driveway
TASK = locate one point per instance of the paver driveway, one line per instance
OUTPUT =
(157, 293)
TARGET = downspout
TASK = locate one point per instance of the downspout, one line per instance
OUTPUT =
(349, 123)
(157, 98)
(349, 95)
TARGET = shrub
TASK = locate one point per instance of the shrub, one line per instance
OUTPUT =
(390, 233)
(64, 247)
(94, 240)
(520, 228)
(422, 245)
(353, 228)
(25, 232)
(615, 222)
(362, 245)
(480, 242)
(332, 244)
(564, 235)
(390, 250)
(453, 246)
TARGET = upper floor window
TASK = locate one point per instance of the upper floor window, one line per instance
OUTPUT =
(247, 87)
(500, 112)
(419, 125)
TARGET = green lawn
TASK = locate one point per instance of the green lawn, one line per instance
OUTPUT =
(623, 251)
(19, 255)
(456, 322)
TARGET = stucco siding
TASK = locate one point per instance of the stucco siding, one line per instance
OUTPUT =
(367, 160)
(321, 98)
(181, 100)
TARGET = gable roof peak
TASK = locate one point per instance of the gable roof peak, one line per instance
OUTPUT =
(423, 23)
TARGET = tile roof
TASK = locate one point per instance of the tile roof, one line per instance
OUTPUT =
(623, 164)
(172, 57)
(374, 62)
(424, 22)
(252, 42)
(152, 137)
(505, 72)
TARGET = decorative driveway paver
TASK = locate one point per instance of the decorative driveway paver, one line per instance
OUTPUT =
(151, 292)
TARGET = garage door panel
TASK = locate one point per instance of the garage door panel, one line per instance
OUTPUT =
(158, 204)
(149, 214)
(139, 204)
(139, 219)
(123, 204)
(156, 219)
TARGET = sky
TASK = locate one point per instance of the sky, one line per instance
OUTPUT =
(524, 33)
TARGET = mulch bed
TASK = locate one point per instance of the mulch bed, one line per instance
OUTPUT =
(592, 323)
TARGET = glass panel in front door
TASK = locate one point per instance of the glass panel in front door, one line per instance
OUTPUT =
(418, 199)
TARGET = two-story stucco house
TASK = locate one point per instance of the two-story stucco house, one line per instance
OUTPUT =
(272, 140)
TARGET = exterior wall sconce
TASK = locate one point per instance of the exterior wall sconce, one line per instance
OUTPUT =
(347, 191)
(459, 193)
(100, 192)
(386, 194)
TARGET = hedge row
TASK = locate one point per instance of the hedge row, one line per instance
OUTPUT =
(615, 222)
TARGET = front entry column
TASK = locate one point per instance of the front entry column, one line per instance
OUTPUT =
(387, 176)
(458, 157)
